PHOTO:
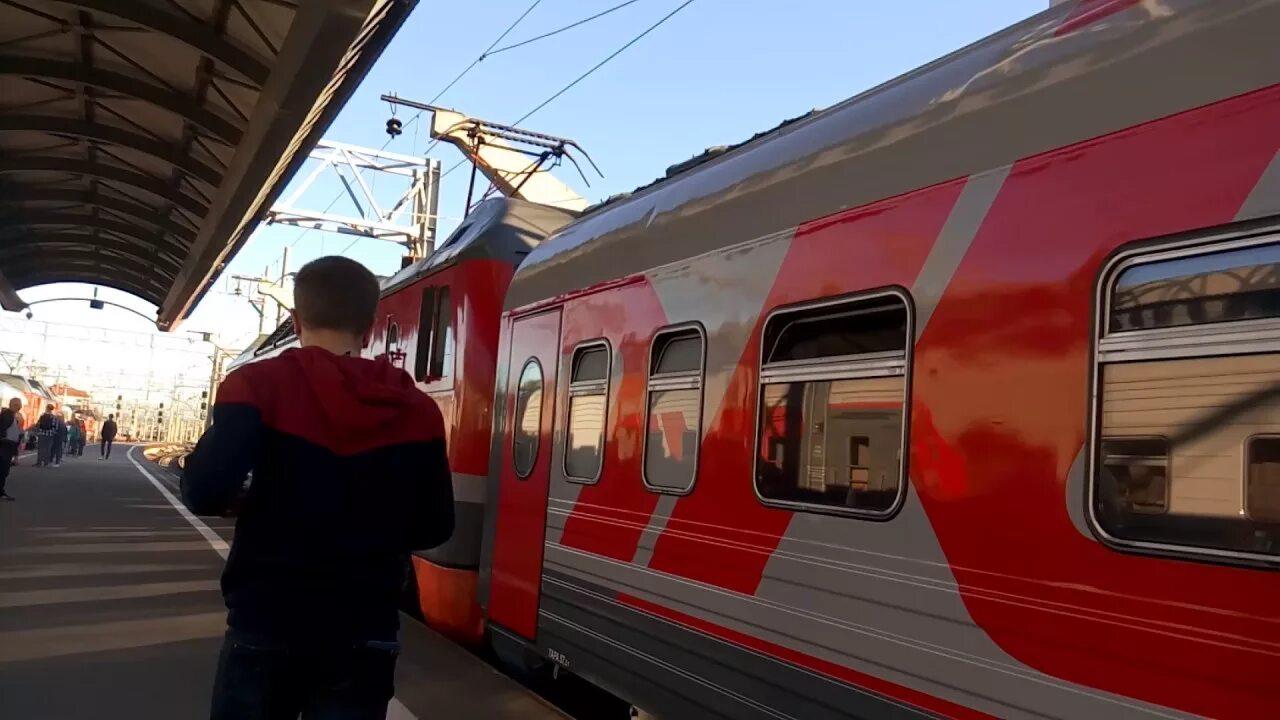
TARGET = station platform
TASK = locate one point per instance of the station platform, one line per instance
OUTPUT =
(110, 608)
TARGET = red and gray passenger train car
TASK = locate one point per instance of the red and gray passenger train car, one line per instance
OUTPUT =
(960, 398)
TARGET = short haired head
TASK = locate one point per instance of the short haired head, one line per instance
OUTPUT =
(49, 407)
(15, 404)
(111, 416)
(335, 293)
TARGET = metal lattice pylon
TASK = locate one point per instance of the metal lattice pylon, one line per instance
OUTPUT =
(410, 221)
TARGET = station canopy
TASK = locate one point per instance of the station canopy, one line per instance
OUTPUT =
(142, 140)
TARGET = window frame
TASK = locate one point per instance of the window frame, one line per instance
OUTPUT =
(428, 351)
(389, 343)
(584, 389)
(841, 367)
(515, 417)
(1241, 337)
(426, 333)
(440, 332)
(1244, 337)
(674, 381)
(854, 454)
(1244, 469)
(1168, 464)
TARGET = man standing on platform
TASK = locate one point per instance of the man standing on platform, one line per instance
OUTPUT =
(46, 428)
(350, 474)
(10, 433)
(60, 434)
(108, 435)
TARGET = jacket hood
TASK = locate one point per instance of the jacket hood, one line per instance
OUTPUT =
(356, 394)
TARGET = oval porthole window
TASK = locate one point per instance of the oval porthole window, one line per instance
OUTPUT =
(393, 338)
(528, 420)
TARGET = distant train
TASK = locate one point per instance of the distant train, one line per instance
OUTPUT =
(34, 395)
(960, 398)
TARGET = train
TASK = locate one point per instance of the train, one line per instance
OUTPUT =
(34, 395)
(959, 398)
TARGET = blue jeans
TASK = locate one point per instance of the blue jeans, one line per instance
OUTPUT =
(260, 679)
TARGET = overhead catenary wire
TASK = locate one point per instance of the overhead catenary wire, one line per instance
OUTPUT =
(482, 55)
(555, 96)
(586, 74)
(438, 95)
(490, 53)
(604, 62)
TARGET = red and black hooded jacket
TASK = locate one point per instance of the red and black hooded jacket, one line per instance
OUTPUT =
(350, 474)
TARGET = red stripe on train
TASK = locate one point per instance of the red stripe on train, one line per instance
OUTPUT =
(720, 534)
(986, 455)
(1090, 12)
(609, 517)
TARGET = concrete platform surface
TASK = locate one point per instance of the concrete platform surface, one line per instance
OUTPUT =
(110, 609)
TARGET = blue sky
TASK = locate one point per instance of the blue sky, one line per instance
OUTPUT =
(716, 73)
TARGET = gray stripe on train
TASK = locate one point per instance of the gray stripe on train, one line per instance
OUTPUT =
(657, 523)
(971, 208)
(726, 294)
(1264, 199)
(966, 673)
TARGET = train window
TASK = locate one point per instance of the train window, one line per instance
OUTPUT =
(442, 340)
(1239, 284)
(527, 428)
(426, 318)
(1264, 478)
(674, 410)
(1188, 388)
(860, 462)
(433, 359)
(588, 399)
(833, 386)
(393, 338)
(1139, 471)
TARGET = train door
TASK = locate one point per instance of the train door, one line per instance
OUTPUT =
(516, 570)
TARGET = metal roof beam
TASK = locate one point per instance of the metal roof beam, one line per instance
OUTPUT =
(184, 29)
(147, 183)
(53, 218)
(45, 276)
(116, 136)
(329, 42)
(54, 242)
(15, 197)
(218, 125)
(35, 259)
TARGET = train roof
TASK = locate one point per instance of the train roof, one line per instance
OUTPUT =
(499, 228)
(25, 384)
(1060, 77)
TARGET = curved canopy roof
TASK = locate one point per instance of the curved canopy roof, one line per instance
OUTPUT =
(141, 140)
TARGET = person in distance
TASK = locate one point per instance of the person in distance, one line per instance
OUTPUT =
(349, 474)
(10, 435)
(108, 434)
